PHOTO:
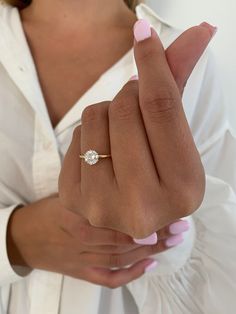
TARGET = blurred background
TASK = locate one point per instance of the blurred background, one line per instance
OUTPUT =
(186, 13)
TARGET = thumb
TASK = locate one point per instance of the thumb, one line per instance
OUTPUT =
(183, 54)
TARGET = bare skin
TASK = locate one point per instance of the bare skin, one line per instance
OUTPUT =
(155, 174)
(46, 235)
(94, 46)
(56, 239)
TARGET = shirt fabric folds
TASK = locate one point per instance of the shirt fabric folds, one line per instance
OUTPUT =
(198, 276)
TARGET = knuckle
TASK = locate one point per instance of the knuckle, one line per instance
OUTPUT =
(89, 114)
(188, 201)
(95, 212)
(96, 220)
(141, 226)
(160, 107)
(147, 54)
(76, 132)
(75, 135)
(188, 206)
(95, 112)
(188, 192)
(143, 231)
(123, 108)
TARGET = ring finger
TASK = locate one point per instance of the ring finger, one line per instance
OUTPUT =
(95, 136)
(122, 260)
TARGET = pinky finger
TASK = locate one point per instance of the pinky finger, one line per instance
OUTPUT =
(116, 278)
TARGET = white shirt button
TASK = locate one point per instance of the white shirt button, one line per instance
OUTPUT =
(22, 69)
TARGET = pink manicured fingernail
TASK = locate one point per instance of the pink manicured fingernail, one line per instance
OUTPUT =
(151, 266)
(152, 239)
(142, 30)
(179, 227)
(212, 29)
(174, 240)
(134, 77)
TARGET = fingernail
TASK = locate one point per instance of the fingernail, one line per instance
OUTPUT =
(151, 266)
(212, 29)
(134, 77)
(142, 30)
(179, 227)
(174, 240)
(152, 239)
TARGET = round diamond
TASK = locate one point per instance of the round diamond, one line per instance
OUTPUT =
(91, 157)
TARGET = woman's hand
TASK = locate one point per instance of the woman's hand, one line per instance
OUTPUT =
(154, 175)
(44, 235)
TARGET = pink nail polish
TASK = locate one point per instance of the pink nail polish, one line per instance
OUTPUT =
(142, 30)
(212, 29)
(179, 227)
(134, 77)
(174, 240)
(151, 266)
(152, 239)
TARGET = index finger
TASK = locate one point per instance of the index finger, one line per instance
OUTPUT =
(183, 54)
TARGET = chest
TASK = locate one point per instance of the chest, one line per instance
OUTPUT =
(64, 80)
(66, 71)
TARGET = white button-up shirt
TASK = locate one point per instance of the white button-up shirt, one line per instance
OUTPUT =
(198, 276)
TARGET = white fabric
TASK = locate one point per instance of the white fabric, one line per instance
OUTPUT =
(196, 277)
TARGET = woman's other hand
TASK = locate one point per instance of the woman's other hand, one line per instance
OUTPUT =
(45, 235)
(155, 175)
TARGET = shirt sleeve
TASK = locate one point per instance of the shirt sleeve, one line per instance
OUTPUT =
(9, 201)
(8, 272)
(199, 275)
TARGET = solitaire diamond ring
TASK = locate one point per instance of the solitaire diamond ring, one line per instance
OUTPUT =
(91, 157)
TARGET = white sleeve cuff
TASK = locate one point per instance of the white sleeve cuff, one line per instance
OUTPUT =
(173, 259)
(169, 263)
(204, 262)
(8, 272)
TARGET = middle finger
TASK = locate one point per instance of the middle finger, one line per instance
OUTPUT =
(131, 155)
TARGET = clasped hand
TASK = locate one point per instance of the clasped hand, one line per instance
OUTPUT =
(155, 174)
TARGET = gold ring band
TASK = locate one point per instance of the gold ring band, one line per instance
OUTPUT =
(100, 156)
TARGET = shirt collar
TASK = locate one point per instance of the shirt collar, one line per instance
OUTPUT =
(143, 11)
(16, 57)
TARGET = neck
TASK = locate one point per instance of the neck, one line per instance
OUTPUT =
(88, 14)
